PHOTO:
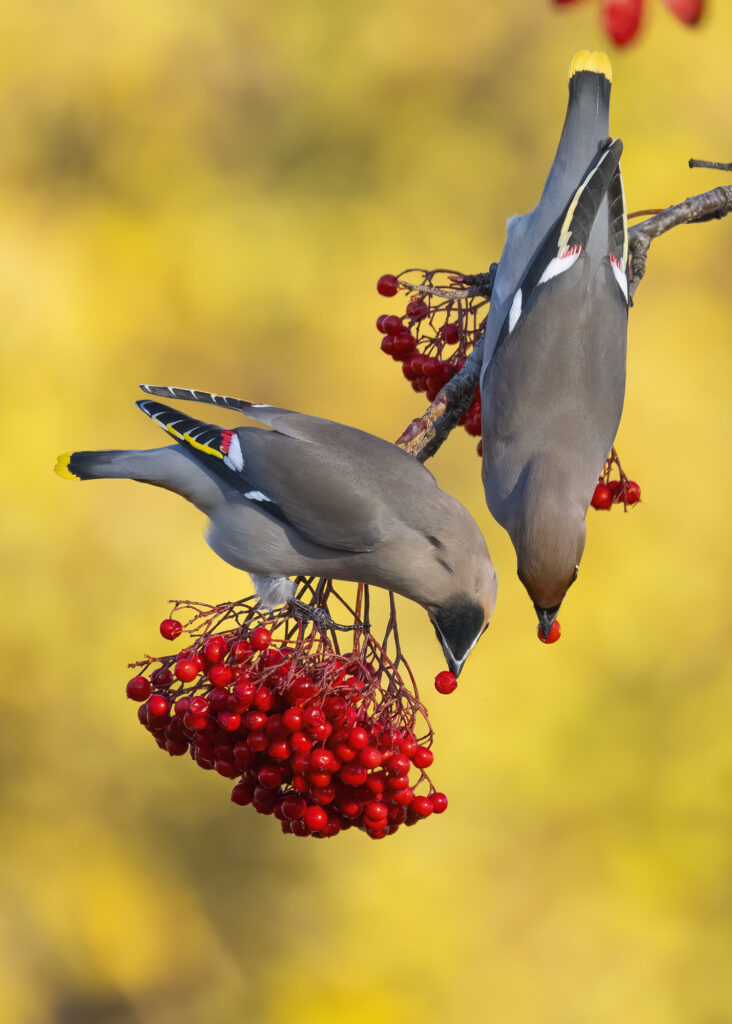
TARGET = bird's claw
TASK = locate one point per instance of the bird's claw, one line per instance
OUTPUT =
(321, 618)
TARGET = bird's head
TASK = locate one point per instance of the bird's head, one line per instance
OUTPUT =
(549, 549)
(459, 623)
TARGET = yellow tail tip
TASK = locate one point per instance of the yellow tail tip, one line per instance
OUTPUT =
(591, 60)
(62, 467)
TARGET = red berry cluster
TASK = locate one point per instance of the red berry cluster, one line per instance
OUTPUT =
(435, 334)
(622, 18)
(621, 491)
(322, 740)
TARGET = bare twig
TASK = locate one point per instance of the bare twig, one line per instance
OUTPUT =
(712, 164)
(707, 206)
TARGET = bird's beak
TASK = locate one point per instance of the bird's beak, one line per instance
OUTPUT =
(546, 617)
(453, 664)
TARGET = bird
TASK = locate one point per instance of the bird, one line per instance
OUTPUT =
(312, 497)
(554, 347)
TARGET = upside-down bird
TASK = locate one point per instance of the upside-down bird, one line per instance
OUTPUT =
(553, 376)
(310, 497)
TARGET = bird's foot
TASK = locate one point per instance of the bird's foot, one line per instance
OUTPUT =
(320, 617)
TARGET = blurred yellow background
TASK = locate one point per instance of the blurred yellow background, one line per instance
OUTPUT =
(205, 195)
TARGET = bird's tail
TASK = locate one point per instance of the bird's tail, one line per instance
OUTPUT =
(130, 465)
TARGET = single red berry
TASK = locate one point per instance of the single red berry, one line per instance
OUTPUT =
(264, 699)
(602, 497)
(393, 325)
(293, 806)
(229, 721)
(632, 493)
(423, 758)
(445, 682)
(388, 344)
(398, 764)
(198, 706)
(621, 19)
(380, 323)
(315, 817)
(220, 675)
(170, 629)
(358, 738)
(370, 757)
(554, 633)
(292, 719)
(439, 803)
(423, 806)
(300, 742)
(158, 706)
(161, 678)
(375, 811)
(479, 448)
(450, 334)
(403, 797)
(242, 793)
(214, 650)
(404, 345)
(387, 285)
(261, 638)
(322, 760)
(279, 750)
(408, 746)
(269, 776)
(689, 11)
(417, 309)
(240, 650)
(138, 688)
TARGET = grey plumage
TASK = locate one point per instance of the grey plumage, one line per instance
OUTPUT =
(314, 497)
(553, 377)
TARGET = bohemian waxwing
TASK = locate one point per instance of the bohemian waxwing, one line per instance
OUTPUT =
(553, 376)
(310, 497)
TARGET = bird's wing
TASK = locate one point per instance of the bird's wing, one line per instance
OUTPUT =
(293, 424)
(305, 485)
(566, 242)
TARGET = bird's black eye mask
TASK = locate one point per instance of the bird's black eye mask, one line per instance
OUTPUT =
(459, 623)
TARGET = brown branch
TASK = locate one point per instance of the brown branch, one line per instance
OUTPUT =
(707, 206)
(711, 164)
(424, 435)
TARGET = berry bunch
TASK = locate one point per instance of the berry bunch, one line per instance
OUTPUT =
(320, 738)
(615, 492)
(437, 331)
(622, 18)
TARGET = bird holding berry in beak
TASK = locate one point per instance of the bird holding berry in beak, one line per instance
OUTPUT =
(554, 350)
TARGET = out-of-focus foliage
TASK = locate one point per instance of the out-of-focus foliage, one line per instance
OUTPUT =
(205, 194)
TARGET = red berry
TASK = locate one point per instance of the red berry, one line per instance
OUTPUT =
(358, 738)
(621, 19)
(138, 688)
(439, 803)
(380, 323)
(170, 629)
(554, 633)
(214, 650)
(279, 750)
(450, 334)
(240, 650)
(445, 682)
(261, 638)
(220, 675)
(404, 345)
(423, 806)
(269, 776)
(158, 706)
(388, 344)
(387, 285)
(293, 806)
(632, 493)
(315, 818)
(375, 811)
(398, 764)
(417, 309)
(370, 757)
(198, 706)
(292, 719)
(423, 758)
(602, 497)
(229, 721)
(393, 325)
(185, 671)
(689, 11)
(242, 793)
